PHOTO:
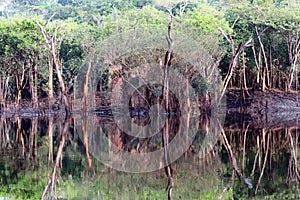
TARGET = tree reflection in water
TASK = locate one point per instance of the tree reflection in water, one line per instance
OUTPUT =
(53, 157)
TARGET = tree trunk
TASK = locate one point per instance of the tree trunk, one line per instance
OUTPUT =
(33, 85)
(257, 65)
(234, 59)
(19, 84)
(266, 70)
(271, 67)
(293, 51)
(167, 63)
(54, 43)
(244, 71)
(85, 88)
(62, 86)
(50, 83)
(1, 94)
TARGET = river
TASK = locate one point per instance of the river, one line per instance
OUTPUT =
(96, 156)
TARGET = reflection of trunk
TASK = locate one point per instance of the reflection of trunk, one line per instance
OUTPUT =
(19, 136)
(50, 187)
(293, 170)
(168, 168)
(233, 160)
(2, 131)
(165, 131)
(32, 137)
(86, 140)
(50, 139)
(265, 159)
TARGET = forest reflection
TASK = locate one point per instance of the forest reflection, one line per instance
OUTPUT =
(59, 158)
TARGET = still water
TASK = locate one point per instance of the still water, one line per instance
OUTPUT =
(90, 157)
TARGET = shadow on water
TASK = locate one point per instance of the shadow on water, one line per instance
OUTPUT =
(77, 158)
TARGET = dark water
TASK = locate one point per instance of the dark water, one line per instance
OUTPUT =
(84, 157)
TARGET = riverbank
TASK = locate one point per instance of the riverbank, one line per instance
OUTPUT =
(273, 108)
(254, 104)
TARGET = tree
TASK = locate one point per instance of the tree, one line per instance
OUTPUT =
(54, 41)
(22, 47)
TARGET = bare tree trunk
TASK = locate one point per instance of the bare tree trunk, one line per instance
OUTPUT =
(33, 85)
(263, 87)
(54, 42)
(35, 92)
(85, 88)
(6, 88)
(265, 71)
(257, 65)
(50, 82)
(234, 59)
(62, 86)
(167, 63)
(244, 74)
(293, 51)
(19, 83)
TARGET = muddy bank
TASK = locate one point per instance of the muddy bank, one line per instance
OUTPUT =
(266, 109)
(275, 107)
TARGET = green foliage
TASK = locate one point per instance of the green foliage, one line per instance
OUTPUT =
(85, 23)
(205, 20)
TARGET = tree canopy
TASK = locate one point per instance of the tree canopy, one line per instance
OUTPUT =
(274, 26)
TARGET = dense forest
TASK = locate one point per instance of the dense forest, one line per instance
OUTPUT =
(43, 43)
(58, 57)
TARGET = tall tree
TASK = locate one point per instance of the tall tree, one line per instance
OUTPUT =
(54, 41)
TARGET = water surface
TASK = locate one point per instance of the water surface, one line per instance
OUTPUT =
(53, 157)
